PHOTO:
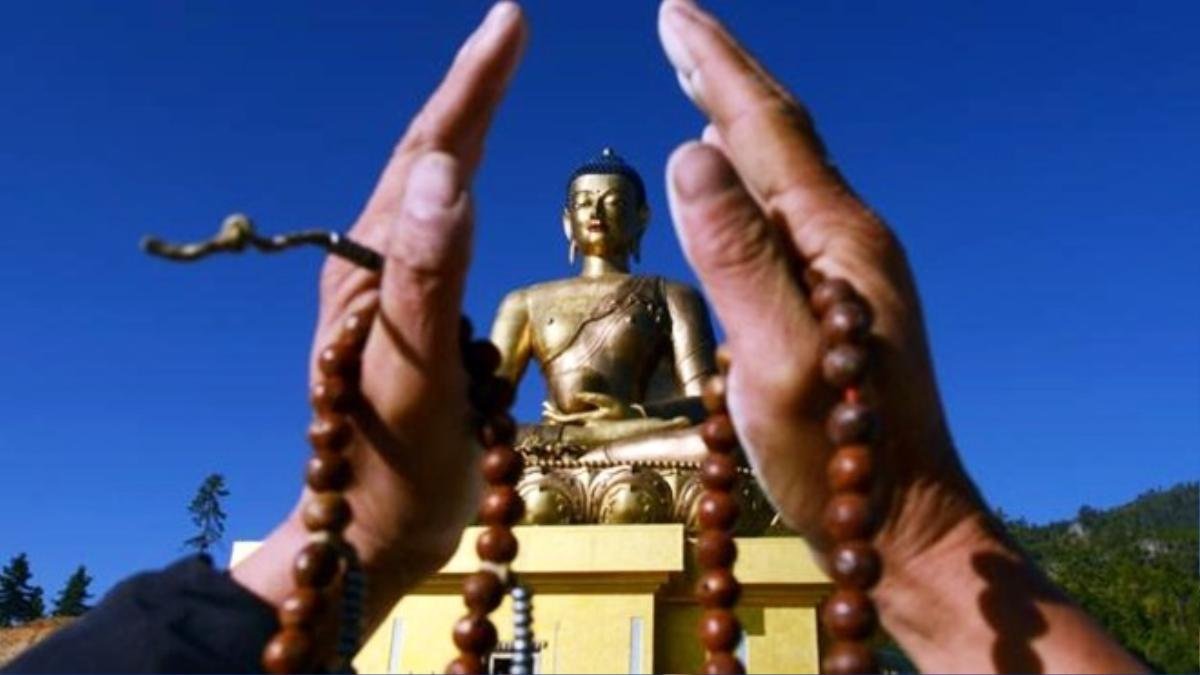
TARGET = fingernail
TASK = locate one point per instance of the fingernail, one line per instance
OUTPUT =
(433, 186)
(699, 170)
(489, 27)
(497, 16)
(674, 23)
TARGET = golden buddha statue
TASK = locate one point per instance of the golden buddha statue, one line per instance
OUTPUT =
(624, 357)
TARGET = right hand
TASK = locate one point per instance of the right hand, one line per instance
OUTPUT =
(754, 204)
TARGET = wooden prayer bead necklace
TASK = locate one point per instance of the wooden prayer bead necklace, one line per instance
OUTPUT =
(848, 616)
(718, 590)
(326, 514)
(500, 509)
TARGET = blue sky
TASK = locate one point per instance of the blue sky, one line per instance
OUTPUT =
(1039, 161)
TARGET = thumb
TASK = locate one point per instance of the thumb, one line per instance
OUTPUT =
(744, 265)
(428, 248)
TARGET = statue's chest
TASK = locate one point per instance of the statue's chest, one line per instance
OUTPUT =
(604, 325)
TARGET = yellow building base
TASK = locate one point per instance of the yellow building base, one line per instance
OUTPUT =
(613, 599)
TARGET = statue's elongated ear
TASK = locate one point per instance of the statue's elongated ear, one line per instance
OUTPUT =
(566, 220)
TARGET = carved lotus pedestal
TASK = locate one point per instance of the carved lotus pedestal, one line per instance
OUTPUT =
(572, 491)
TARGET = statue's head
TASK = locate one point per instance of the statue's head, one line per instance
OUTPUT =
(606, 211)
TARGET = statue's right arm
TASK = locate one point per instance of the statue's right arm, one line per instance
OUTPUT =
(511, 334)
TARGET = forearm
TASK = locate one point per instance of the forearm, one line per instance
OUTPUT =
(188, 617)
(972, 603)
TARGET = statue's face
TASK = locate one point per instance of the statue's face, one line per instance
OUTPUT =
(602, 215)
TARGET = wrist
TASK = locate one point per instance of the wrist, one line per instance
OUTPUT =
(924, 594)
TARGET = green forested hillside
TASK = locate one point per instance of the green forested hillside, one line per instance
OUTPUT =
(1136, 568)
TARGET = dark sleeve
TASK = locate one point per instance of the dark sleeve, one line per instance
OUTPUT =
(185, 618)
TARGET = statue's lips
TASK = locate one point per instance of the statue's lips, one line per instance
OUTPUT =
(595, 226)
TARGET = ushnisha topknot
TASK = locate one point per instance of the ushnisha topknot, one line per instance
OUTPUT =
(609, 163)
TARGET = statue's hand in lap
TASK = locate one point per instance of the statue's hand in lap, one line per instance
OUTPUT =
(607, 418)
(592, 406)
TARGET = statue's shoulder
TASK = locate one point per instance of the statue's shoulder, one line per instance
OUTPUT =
(679, 291)
(545, 292)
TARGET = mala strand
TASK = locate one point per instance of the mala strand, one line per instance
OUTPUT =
(718, 589)
(501, 508)
(848, 615)
(327, 558)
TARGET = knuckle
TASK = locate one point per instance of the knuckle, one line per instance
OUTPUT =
(737, 238)
(736, 248)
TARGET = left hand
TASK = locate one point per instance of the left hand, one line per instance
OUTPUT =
(415, 477)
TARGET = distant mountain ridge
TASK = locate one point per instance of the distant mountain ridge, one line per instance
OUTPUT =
(1135, 568)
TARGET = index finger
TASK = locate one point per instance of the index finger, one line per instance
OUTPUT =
(457, 114)
(767, 134)
(453, 120)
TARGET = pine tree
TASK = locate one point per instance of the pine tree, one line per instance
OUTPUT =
(20, 602)
(207, 514)
(72, 600)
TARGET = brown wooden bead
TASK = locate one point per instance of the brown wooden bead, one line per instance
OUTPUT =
(844, 365)
(718, 433)
(724, 359)
(316, 565)
(715, 548)
(330, 433)
(327, 471)
(856, 564)
(718, 589)
(357, 327)
(302, 608)
(851, 424)
(720, 630)
(502, 466)
(496, 544)
(850, 469)
(290, 651)
(847, 516)
(718, 472)
(466, 664)
(717, 510)
(481, 358)
(829, 293)
(722, 663)
(337, 359)
(333, 394)
(491, 394)
(475, 634)
(848, 614)
(847, 658)
(501, 506)
(846, 322)
(498, 429)
(482, 592)
(326, 511)
(713, 394)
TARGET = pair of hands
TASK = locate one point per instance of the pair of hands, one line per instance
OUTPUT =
(752, 203)
(756, 205)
